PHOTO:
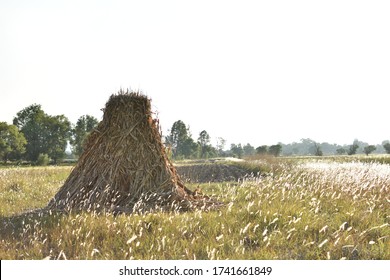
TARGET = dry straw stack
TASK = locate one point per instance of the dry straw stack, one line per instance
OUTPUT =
(124, 167)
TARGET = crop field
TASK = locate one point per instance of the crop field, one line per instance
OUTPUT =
(273, 209)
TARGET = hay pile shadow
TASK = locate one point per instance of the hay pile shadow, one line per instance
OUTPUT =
(124, 167)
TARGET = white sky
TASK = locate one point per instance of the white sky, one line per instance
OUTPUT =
(248, 71)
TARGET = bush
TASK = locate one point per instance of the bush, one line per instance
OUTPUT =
(43, 159)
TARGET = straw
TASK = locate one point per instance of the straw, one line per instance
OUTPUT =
(124, 167)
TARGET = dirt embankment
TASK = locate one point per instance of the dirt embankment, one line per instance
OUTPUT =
(204, 173)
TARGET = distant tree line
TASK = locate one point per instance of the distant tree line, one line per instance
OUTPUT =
(181, 145)
(310, 147)
(38, 137)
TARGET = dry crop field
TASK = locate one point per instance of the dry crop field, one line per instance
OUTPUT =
(306, 209)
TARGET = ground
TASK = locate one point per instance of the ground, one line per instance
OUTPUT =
(306, 208)
(211, 172)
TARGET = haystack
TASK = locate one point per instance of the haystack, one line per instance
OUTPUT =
(124, 166)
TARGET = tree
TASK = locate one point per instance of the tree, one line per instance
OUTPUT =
(262, 150)
(85, 124)
(220, 145)
(12, 142)
(236, 150)
(204, 141)
(307, 145)
(180, 141)
(369, 149)
(341, 151)
(57, 135)
(317, 150)
(44, 134)
(275, 150)
(249, 150)
(387, 147)
(30, 122)
(353, 148)
(189, 149)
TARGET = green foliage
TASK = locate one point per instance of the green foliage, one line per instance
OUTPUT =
(317, 150)
(85, 124)
(204, 143)
(387, 147)
(57, 135)
(188, 149)
(206, 150)
(43, 160)
(352, 149)
(220, 146)
(341, 151)
(262, 150)
(248, 150)
(275, 150)
(30, 122)
(180, 142)
(369, 149)
(45, 134)
(307, 147)
(178, 134)
(12, 142)
(237, 150)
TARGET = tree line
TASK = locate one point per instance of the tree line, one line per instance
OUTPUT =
(38, 137)
(308, 146)
(181, 145)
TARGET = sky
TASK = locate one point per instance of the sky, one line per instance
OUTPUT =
(258, 72)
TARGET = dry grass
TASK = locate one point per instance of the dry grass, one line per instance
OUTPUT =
(303, 211)
(27, 188)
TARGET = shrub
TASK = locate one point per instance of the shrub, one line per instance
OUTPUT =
(43, 159)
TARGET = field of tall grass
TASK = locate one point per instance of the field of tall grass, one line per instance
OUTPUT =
(309, 209)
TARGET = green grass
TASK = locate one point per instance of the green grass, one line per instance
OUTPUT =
(298, 212)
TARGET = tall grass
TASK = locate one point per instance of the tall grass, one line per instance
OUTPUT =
(27, 188)
(303, 211)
